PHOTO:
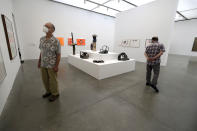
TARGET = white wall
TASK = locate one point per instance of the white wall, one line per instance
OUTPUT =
(153, 19)
(183, 38)
(33, 14)
(11, 66)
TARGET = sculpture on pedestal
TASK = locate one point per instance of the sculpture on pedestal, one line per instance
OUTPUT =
(104, 49)
(93, 45)
(84, 55)
(123, 57)
(73, 44)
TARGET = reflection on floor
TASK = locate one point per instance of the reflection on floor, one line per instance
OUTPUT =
(120, 103)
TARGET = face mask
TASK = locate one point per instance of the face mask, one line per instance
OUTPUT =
(45, 29)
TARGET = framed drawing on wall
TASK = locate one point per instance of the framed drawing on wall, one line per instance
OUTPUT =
(195, 44)
(9, 34)
(148, 42)
(135, 43)
(125, 43)
(2, 68)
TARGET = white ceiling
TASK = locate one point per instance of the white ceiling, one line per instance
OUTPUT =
(187, 9)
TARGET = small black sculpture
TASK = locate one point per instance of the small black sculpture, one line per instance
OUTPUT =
(104, 49)
(98, 61)
(123, 57)
(84, 55)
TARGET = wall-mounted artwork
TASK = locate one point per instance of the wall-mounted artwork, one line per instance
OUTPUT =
(70, 41)
(148, 42)
(61, 40)
(81, 42)
(125, 43)
(9, 34)
(195, 44)
(2, 68)
(133, 43)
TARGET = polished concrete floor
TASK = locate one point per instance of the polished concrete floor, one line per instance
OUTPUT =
(120, 103)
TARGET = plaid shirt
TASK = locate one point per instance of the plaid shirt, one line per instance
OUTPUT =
(152, 50)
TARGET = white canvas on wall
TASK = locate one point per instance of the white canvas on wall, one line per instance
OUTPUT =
(2, 68)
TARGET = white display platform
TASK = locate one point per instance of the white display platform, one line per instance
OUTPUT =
(100, 71)
(96, 55)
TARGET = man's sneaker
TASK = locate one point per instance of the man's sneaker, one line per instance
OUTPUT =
(155, 88)
(46, 95)
(53, 97)
(148, 84)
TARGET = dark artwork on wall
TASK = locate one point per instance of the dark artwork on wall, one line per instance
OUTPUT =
(9, 34)
(195, 44)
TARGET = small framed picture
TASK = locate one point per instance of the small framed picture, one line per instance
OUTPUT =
(148, 42)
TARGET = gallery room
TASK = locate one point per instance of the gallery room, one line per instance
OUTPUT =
(98, 65)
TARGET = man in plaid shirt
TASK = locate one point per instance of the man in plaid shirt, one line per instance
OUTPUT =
(153, 53)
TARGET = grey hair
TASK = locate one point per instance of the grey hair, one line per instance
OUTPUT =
(53, 27)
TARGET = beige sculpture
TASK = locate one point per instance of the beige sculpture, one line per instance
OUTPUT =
(93, 45)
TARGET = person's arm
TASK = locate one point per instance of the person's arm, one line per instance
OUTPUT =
(146, 55)
(158, 55)
(148, 58)
(57, 62)
(162, 50)
(58, 57)
(39, 61)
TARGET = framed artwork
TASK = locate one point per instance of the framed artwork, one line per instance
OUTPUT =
(9, 34)
(61, 40)
(133, 43)
(81, 42)
(125, 43)
(3, 73)
(69, 41)
(195, 44)
(148, 42)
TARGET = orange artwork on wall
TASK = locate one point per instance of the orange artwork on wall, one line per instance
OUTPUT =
(69, 41)
(81, 42)
(61, 39)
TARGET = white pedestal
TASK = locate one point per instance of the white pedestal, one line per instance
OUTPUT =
(110, 68)
(106, 57)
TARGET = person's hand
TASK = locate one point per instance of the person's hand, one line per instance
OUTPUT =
(150, 59)
(55, 69)
(38, 64)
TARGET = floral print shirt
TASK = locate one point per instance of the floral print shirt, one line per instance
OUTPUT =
(49, 50)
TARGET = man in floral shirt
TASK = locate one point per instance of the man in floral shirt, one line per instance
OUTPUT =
(153, 53)
(49, 60)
